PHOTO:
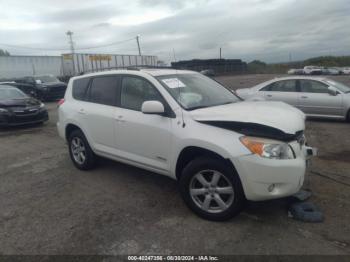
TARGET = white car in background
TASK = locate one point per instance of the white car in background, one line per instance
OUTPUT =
(312, 70)
(346, 70)
(315, 96)
(184, 125)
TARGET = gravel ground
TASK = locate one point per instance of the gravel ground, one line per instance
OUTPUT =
(50, 207)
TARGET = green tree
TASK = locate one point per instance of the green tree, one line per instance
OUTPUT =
(4, 53)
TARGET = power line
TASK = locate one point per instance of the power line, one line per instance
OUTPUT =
(66, 49)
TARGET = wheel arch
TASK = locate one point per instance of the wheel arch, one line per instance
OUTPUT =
(70, 128)
(189, 153)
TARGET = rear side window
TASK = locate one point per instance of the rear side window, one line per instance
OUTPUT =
(104, 90)
(310, 86)
(79, 88)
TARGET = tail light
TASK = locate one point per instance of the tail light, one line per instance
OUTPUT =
(60, 102)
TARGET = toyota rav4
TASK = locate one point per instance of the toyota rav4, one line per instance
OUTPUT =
(221, 150)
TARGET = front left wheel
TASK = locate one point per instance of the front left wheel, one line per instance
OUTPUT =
(212, 189)
(80, 151)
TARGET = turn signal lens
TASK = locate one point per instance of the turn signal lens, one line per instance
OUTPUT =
(254, 146)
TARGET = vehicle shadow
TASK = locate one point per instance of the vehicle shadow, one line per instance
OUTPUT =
(155, 184)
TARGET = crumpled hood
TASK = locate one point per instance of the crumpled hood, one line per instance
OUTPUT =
(278, 115)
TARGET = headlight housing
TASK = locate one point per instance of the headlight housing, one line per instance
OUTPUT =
(267, 148)
(42, 105)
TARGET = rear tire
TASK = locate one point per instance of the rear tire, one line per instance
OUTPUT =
(219, 196)
(80, 151)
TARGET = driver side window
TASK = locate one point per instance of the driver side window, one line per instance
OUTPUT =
(281, 86)
(135, 91)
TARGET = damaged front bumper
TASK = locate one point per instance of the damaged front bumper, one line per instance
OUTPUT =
(264, 179)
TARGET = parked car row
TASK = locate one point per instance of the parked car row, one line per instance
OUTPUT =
(316, 70)
(222, 147)
(44, 87)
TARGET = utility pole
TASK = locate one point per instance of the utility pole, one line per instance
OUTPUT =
(290, 57)
(71, 43)
(174, 55)
(138, 43)
(220, 53)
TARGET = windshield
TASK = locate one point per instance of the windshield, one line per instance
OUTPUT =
(339, 86)
(11, 93)
(193, 91)
(47, 79)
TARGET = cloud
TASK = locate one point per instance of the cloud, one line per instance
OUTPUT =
(249, 29)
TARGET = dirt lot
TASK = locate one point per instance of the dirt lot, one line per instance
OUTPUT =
(50, 207)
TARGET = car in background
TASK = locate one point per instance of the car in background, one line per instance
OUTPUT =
(312, 70)
(295, 71)
(315, 96)
(17, 108)
(44, 87)
(331, 71)
(208, 72)
(346, 70)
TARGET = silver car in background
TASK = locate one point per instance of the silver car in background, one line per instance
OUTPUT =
(315, 96)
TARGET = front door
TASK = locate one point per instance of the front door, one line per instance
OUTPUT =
(143, 138)
(314, 99)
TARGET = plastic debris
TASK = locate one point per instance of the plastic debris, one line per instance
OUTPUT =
(305, 211)
(302, 195)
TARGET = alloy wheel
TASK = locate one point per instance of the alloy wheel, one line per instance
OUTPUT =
(78, 150)
(211, 191)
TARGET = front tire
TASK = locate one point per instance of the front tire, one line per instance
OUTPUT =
(80, 151)
(212, 189)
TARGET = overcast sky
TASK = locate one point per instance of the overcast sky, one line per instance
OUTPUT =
(268, 30)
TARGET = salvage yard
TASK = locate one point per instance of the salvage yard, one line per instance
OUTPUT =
(50, 207)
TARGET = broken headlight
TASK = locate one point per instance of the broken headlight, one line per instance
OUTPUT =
(268, 148)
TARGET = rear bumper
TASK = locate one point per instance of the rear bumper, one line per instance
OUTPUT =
(264, 179)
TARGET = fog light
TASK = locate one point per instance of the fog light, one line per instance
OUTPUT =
(271, 188)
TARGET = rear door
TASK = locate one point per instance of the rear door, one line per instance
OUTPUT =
(284, 90)
(314, 99)
(98, 112)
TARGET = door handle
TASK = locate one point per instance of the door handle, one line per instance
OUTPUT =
(304, 97)
(120, 119)
(82, 111)
(269, 95)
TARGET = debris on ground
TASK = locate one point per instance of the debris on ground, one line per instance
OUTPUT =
(302, 195)
(305, 211)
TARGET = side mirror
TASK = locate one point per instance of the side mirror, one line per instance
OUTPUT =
(332, 91)
(38, 81)
(152, 107)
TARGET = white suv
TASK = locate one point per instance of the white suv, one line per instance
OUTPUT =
(184, 125)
